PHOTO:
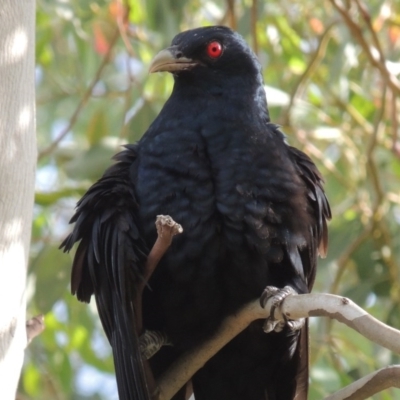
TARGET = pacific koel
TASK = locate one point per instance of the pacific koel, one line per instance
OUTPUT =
(253, 211)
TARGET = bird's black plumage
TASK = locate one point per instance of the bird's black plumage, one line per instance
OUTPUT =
(253, 211)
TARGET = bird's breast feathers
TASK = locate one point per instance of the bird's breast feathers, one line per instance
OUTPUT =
(243, 185)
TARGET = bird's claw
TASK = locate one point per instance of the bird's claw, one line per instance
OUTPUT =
(150, 342)
(296, 324)
(278, 296)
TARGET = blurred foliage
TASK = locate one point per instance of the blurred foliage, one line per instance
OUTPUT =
(331, 86)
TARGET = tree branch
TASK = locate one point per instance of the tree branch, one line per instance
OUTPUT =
(375, 59)
(253, 24)
(293, 307)
(312, 66)
(34, 327)
(48, 150)
(369, 385)
(167, 228)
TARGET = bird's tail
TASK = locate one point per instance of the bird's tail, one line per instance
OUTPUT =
(302, 353)
(129, 369)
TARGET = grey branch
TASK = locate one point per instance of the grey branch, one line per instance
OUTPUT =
(293, 307)
(369, 385)
(34, 327)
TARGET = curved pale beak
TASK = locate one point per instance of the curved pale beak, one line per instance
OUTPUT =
(171, 60)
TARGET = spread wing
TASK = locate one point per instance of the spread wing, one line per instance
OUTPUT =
(318, 244)
(109, 262)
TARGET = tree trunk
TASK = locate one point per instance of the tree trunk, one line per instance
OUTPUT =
(17, 178)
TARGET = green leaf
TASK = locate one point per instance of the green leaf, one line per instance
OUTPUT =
(48, 198)
(90, 164)
(97, 128)
(31, 380)
(52, 270)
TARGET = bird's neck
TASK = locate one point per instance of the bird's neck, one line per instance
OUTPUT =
(234, 94)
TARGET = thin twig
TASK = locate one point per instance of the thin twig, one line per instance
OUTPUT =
(377, 62)
(34, 327)
(353, 113)
(254, 16)
(167, 228)
(316, 59)
(395, 124)
(123, 23)
(48, 150)
(369, 385)
(301, 136)
(378, 218)
(231, 14)
(367, 18)
(345, 256)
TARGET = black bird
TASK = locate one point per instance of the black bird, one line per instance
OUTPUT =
(253, 211)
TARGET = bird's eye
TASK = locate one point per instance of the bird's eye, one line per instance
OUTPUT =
(214, 49)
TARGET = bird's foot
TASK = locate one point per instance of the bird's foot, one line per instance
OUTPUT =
(150, 342)
(278, 296)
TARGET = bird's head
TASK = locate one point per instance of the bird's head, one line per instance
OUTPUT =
(215, 54)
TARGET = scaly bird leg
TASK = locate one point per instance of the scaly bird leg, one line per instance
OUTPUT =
(278, 296)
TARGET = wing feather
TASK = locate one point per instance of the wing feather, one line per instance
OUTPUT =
(317, 243)
(317, 201)
(109, 263)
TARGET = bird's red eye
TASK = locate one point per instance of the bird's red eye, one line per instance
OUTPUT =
(214, 49)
